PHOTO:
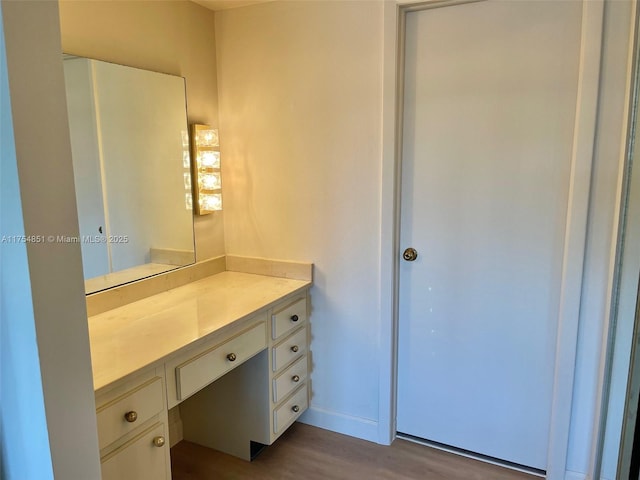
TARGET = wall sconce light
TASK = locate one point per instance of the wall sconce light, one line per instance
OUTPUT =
(205, 165)
(186, 165)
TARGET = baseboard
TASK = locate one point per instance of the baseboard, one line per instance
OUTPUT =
(574, 476)
(358, 427)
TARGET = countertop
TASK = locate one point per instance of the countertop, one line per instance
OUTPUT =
(131, 337)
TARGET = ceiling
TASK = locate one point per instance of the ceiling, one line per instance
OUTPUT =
(225, 4)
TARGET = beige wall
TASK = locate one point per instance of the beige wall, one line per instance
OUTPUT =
(300, 86)
(176, 37)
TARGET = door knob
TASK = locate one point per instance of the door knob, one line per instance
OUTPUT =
(410, 254)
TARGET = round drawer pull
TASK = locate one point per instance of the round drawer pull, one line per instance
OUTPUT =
(295, 409)
(295, 348)
(158, 441)
(131, 416)
(231, 357)
(294, 318)
(295, 378)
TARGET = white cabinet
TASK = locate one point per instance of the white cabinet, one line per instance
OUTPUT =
(132, 419)
(253, 404)
(286, 318)
(196, 373)
(142, 458)
(289, 364)
(290, 379)
(289, 410)
(126, 412)
(292, 347)
(240, 375)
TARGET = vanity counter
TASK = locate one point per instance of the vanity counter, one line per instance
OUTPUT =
(128, 338)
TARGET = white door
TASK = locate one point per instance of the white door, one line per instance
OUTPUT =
(489, 112)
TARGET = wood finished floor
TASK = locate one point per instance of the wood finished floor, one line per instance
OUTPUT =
(310, 453)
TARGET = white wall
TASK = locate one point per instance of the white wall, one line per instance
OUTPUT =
(42, 291)
(24, 444)
(300, 89)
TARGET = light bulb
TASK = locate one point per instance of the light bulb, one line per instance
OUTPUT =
(207, 138)
(210, 181)
(208, 159)
(211, 202)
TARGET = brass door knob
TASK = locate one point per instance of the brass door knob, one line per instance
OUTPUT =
(410, 254)
(131, 416)
(295, 378)
(231, 357)
(295, 408)
(158, 441)
(294, 349)
(294, 318)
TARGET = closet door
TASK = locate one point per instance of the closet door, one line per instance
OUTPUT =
(489, 114)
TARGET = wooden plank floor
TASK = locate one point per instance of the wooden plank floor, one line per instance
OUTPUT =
(310, 453)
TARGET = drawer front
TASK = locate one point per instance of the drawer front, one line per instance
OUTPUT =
(287, 319)
(139, 405)
(139, 459)
(293, 347)
(195, 374)
(290, 379)
(285, 414)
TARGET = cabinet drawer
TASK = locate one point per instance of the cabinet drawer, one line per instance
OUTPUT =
(293, 347)
(288, 318)
(285, 414)
(198, 372)
(290, 379)
(141, 404)
(139, 459)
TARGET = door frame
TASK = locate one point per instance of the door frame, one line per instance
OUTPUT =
(628, 429)
(394, 18)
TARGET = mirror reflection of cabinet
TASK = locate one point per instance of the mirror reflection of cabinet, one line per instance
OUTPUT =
(131, 167)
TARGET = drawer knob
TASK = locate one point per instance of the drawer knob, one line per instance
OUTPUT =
(231, 357)
(295, 378)
(294, 349)
(294, 318)
(158, 441)
(131, 416)
(295, 409)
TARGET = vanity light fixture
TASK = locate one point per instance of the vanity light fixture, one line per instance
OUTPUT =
(186, 165)
(207, 183)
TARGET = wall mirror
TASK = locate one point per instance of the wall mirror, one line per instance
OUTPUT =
(131, 165)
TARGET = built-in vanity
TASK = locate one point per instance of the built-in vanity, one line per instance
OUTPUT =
(229, 350)
(214, 352)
